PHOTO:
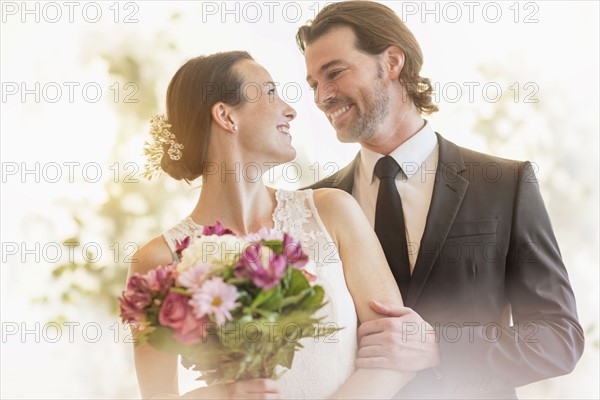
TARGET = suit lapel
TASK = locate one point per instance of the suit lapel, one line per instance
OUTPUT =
(448, 192)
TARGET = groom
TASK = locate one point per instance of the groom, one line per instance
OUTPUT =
(488, 305)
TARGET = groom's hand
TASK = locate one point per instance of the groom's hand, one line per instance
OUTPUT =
(400, 340)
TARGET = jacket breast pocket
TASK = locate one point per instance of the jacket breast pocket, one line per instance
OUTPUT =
(473, 228)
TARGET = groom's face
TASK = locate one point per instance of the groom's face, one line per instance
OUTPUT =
(348, 85)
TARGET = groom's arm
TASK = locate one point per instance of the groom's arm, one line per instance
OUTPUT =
(546, 339)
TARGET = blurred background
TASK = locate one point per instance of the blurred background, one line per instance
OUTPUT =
(81, 79)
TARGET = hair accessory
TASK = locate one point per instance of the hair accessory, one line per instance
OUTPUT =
(154, 150)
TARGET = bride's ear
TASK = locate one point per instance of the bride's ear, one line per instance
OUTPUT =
(223, 117)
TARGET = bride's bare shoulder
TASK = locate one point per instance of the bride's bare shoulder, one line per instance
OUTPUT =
(336, 208)
(335, 201)
(154, 253)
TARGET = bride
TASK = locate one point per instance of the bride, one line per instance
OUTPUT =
(225, 115)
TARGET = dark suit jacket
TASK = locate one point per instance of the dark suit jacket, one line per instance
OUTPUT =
(487, 254)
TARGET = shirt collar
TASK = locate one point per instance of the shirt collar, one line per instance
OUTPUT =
(409, 155)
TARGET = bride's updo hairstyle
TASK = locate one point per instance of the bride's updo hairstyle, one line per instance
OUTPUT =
(195, 88)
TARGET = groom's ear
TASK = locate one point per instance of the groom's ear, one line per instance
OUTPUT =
(393, 59)
(221, 114)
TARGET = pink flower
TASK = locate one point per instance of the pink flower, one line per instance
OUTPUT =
(215, 297)
(261, 265)
(312, 278)
(264, 234)
(217, 229)
(139, 285)
(193, 277)
(160, 279)
(132, 306)
(135, 299)
(192, 329)
(293, 253)
(176, 313)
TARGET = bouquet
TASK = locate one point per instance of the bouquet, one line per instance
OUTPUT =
(232, 307)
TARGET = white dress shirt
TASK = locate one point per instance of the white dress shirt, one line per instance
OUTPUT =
(418, 158)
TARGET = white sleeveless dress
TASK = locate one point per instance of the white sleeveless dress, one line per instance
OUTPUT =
(324, 363)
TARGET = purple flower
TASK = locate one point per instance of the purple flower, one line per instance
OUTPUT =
(261, 265)
(217, 229)
(215, 297)
(293, 253)
(176, 313)
(181, 245)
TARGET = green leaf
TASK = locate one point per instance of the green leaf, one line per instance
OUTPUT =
(315, 301)
(180, 290)
(287, 279)
(273, 303)
(296, 299)
(262, 297)
(298, 283)
(161, 338)
(268, 299)
(237, 281)
(266, 314)
(275, 245)
(286, 356)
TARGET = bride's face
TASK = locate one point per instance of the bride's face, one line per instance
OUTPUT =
(264, 118)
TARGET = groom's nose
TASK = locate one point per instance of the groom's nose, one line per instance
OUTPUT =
(325, 94)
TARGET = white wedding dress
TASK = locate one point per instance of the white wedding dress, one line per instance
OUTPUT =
(324, 363)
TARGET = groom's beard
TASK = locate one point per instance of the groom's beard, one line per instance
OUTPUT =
(365, 124)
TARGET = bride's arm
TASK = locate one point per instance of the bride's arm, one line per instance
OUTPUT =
(157, 370)
(368, 277)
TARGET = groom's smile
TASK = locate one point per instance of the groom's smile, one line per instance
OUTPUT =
(338, 113)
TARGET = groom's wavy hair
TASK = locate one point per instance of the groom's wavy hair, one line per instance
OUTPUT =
(376, 28)
(195, 88)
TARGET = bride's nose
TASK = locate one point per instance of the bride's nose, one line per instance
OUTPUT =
(290, 112)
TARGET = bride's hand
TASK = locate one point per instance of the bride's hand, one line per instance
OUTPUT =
(253, 389)
(246, 389)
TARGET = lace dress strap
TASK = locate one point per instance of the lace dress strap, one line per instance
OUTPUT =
(297, 215)
(187, 227)
(292, 212)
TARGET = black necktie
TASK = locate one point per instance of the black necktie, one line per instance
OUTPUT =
(389, 222)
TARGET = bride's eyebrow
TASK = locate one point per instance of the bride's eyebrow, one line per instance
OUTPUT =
(324, 67)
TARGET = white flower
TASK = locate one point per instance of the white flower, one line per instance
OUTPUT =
(216, 251)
